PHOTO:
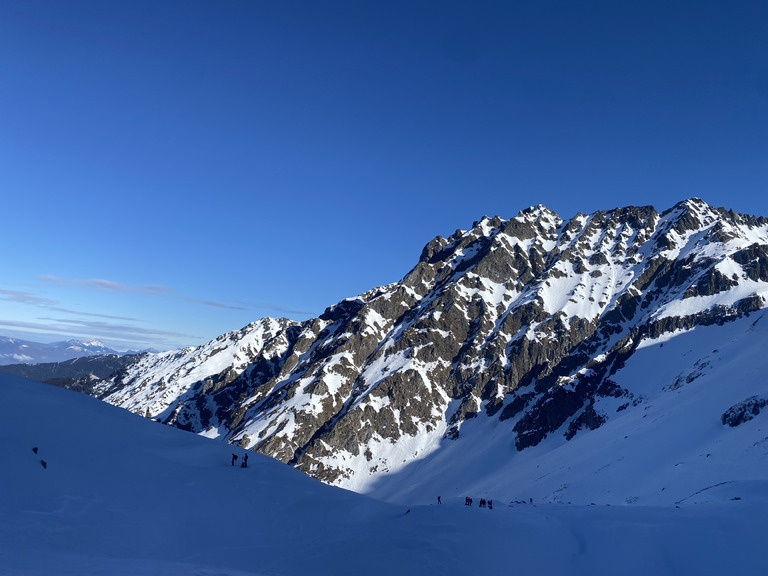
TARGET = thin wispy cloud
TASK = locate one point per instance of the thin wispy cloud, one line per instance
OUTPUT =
(108, 285)
(113, 328)
(104, 330)
(268, 306)
(150, 289)
(93, 314)
(104, 326)
(26, 298)
(33, 299)
(210, 303)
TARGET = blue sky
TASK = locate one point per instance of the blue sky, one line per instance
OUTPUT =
(170, 171)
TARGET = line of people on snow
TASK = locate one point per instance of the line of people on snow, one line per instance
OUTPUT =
(483, 503)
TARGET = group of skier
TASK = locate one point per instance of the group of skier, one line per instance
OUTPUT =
(483, 503)
(244, 464)
(43, 463)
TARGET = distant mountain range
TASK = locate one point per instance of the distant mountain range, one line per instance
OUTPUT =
(635, 333)
(15, 351)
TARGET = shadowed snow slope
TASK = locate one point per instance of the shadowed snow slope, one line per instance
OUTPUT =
(123, 495)
(671, 446)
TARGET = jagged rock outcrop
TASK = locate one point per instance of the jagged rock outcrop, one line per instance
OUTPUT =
(744, 411)
(521, 320)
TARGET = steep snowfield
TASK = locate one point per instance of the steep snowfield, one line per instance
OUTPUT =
(672, 447)
(122, 495)
(173, 373)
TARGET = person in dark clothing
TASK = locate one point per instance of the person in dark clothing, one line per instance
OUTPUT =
(234, 459)
(245, 461)
(490, 504)
(438, 500)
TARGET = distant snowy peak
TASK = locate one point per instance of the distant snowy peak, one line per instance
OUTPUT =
(14, 351)
(84, 348)
(519, 320)
(85, 343)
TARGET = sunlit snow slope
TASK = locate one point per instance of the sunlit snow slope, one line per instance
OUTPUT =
(121, 495)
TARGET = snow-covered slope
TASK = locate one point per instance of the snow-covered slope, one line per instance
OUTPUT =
(121, 495)
(517, 331)
(671, 447)
(162, 381)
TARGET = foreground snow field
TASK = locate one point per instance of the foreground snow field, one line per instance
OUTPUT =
(123, 495)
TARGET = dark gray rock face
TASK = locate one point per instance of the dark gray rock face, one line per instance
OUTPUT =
(744, 411)
(521, 320)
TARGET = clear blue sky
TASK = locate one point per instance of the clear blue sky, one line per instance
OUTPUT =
(170, 171)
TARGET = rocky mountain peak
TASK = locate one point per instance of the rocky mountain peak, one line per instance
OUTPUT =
(522, 321)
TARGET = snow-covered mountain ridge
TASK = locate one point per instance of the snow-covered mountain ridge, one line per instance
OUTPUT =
(522, 325)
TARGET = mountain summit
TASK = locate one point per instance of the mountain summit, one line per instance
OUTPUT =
(521, 325)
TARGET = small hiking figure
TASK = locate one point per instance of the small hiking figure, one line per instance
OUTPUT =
(490, 504)
(438, 500)
(466, 501)
(245, 460)
(482, 502)
(234, 459)
(531, 500)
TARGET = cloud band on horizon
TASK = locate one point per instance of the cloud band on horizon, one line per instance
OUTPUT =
(149, 289)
